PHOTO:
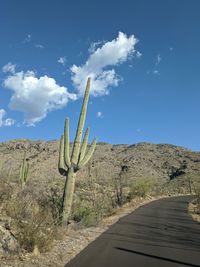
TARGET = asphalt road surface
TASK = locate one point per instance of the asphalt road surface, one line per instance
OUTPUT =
(159, 234)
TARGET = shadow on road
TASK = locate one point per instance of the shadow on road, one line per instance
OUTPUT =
(157, 257)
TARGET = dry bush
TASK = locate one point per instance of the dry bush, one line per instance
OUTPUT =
(90, 213)
(92, 203)
(33, 225)
(5, 190)
(52, 201)
(197, 201)
(184, 184)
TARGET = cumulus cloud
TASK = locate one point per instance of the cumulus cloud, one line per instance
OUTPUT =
(39, 46)
(62, 60)
(100, 115)
(5, 122)
(9, 67)
(35, 97)
(93, 46)
(98, 65)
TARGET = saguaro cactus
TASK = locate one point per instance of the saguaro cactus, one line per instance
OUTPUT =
(68, 166)
(23, 171)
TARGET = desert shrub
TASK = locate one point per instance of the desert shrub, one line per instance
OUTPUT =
(52, 201)
(86, 213)
(197, 193)
(8, 185)
(89, 210)
(184, 184)
(5, 190)
(32, 223)
(192, 181)
(120, 184)
(142, 186)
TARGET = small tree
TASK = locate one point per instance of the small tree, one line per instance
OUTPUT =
(120, 182)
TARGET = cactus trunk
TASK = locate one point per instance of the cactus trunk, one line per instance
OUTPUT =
(68, 195)
(23, 172)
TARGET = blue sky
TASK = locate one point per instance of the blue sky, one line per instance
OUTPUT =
(143, 57)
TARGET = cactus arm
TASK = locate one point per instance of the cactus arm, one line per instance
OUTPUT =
(84, 145)
(88, 154)
(77, 142)
(66, 144)
(61, 164)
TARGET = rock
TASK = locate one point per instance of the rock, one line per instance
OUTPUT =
(36, 251)
(8, 243)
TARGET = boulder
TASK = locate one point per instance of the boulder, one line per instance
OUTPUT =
(8, 243)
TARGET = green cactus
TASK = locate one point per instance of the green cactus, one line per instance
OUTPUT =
(68, 166)
(1, 167)
(23, 171)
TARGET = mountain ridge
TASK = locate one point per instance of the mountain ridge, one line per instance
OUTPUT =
(163, 161)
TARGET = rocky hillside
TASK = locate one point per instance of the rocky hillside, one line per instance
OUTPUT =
(29, 217)
(162, 161)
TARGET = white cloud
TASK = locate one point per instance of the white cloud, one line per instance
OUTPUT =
(9, 67)
(100, 115)
(39, 46)
(93, 46)
(138, 54)
(155, 72)
(35, 97)
(5, 122)
(158, 60)
(27, 39)
(110, 54)
(62, 60)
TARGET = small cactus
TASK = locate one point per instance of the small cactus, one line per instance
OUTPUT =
(1, 167)
(81, 154)
(23, 172)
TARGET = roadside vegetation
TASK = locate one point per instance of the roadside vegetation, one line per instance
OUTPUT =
(34, 216)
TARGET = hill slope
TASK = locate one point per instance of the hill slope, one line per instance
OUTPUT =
(162, 161)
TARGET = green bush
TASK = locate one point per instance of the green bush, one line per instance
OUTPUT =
(142, 186)
(90, 211)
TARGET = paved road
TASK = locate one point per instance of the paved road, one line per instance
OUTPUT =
(159, 234)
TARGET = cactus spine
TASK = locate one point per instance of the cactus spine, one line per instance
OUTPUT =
(68, 166)
(23, 172)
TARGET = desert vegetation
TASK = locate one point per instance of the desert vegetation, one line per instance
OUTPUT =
(36, 207)
(33, 218)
